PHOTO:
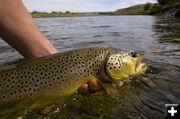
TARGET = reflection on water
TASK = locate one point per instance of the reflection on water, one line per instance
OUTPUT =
(168, 30)
(142, 97)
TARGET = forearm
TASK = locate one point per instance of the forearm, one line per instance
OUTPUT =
(19, 30)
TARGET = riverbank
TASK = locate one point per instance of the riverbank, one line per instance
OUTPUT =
(133, 10)
(37, 14)
(171, 9)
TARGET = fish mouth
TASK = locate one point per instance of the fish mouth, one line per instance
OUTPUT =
(140, 66)
(137, 64)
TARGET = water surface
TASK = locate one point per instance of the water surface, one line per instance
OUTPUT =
(141, 98)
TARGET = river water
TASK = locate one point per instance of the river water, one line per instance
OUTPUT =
(141, 98)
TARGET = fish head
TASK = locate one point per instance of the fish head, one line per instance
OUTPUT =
(121, 65)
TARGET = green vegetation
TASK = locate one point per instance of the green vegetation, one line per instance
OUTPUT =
(142, 9)
(165, 2)
(134, 10)
(60, 14)
(164, 5)
(149, 8)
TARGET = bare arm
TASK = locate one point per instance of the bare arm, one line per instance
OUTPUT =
(19, 30)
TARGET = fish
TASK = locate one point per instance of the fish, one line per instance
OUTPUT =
(41, 81)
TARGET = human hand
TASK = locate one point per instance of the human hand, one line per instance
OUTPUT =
(93, 86)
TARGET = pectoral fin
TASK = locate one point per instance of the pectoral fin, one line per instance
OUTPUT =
(110, 89)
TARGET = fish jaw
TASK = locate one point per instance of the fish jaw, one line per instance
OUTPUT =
(140, 66)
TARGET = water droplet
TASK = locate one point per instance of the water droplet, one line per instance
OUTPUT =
(64, 106)
(57, 109)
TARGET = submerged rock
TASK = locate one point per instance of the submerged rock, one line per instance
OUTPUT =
(177, 13)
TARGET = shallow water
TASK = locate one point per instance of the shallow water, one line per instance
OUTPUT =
(141, 98)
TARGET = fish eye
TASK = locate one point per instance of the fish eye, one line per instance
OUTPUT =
(133, 54)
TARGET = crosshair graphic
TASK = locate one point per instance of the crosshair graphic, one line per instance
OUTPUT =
(172, 111)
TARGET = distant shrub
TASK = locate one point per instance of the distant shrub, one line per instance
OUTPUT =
(156, 8)
(164, 2)
(67, 12)
(53, 12)
(148, 6)
(34, 12)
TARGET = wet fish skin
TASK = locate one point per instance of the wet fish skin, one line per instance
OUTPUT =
(62, 73)
(42, 81)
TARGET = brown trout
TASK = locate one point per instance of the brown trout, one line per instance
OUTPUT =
(41, 81)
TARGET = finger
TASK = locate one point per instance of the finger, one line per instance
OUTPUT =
(84, 89)
(94, 85)
(119, 84)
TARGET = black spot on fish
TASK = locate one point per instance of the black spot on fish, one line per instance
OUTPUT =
(3, 97)
(18, 86)
(11, 93)
(25, 90)
(20, 96)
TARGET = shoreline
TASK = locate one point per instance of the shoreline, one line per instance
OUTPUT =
(95, 15)
(67, 16)
(172, 11)
(36, 14)
(168, 10)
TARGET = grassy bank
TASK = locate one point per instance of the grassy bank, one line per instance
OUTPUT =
(133, 10)
(60, 14)
(163, 6)
(159, 8)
